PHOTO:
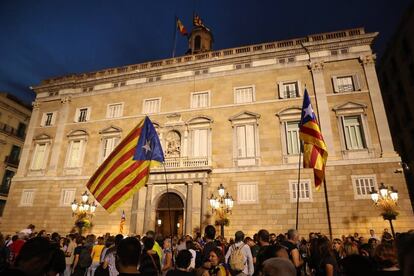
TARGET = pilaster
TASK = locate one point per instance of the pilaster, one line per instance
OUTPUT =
(203, 204)
(322, 106)
(380, 116)
(147, 212)
(134, 213)
(188, 211)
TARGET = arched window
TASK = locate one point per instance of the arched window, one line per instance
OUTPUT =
(197, 43)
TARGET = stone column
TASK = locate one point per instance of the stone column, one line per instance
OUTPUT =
(58, 139)
(147, 212)
(189, 209)
(34, 119)
(321, 104)
(134, 213)
(380, 116)
(203, 204)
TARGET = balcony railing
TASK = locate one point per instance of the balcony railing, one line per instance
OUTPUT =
(5, 128)
(186, 162)
(13, 162)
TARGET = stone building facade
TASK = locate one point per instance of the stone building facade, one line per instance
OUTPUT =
(396, 74)
(14, 118)
(228, 116)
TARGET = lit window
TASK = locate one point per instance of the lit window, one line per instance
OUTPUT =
(74, 157)
(75, 152)
(363, 185)
(199, 139)
(39, 156)
(305, 191)
(245, 141)
(200, 99)
(152, 106)
(353, 131)
(114, 110)
(244, 95)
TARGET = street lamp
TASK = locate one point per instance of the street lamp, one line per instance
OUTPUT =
(222, 206)
(386, 200)
(83, 212)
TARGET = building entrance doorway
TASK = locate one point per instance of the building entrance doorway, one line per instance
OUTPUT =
(163, 218)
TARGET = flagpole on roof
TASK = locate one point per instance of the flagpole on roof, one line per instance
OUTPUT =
(175, 36)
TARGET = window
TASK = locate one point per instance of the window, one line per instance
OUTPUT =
(247, 193)
(2, 204)
(305, 191)
(197, 43)
(109, 144)
(292, 137)
(199, 139)
(200, 99)
(76, 150)
(48, 119)
(67, 196)
(114, 110)
(27, 197)
(39, 156)
(289, 89)
(5, 185)
(21, 130)
(82, 114)
(363, 185)
(347, 83)
(14, 155)
(244, 94)
(245, 139)
(353, 131)
(152, 105)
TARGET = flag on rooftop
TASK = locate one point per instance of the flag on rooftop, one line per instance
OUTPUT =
(181, 28)
(197, 22)
(315, 153)
(127, 168)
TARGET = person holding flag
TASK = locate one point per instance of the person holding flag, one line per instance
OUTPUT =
(127, 168)
(122, 223)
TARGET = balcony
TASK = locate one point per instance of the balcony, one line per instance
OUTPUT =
(187, 163)
(12, 162)
(5, 128)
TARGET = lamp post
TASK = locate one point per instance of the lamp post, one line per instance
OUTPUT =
(386, 200)
(222, 206)
(83, 212)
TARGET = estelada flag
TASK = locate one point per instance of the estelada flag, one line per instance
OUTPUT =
(181, 28)
(315, 153)
(127, 168)
(122, 223)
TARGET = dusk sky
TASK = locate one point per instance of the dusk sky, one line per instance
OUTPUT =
(45, 39)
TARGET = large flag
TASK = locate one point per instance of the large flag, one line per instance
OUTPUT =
(315, 152)
(198, 22)
(127, 168)
(122, 223)
(181, 28)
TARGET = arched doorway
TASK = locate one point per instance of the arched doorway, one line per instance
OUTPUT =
(175, 204)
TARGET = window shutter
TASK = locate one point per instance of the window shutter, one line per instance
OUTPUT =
(88, 114)
(355, 79)
(76, 119)
(54, 118)
(299, 88)
(281, 90)
(335, 84)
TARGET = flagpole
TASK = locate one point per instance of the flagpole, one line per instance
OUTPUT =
(175, 36)
(169, 214)
(298, 186)
(328, 213)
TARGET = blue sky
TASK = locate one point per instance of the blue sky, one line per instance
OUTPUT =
(45, 39)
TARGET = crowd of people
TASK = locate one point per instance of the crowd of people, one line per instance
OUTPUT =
(40, 253)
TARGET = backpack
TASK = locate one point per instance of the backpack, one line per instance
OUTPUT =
(236, 260)
(85, 259)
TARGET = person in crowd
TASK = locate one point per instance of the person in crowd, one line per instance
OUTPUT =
(41, 233)
(69, 254)
(386, 258)
(357, 265)
(190, 246)
(16, 246)
(263, 241)
(181, 244)
(254, 248)
(127, 257)
(167, 255)
(272, 238)
(278, 267)
(96, 255)
(405, 246)
(350, 248)
(327, 262)
(157, 248)
(149, 262)
(109, 259)
(292, 249)
(372, 235)
(4, 254)
(77, 269)
(182, 264)
(209, 235)
(37, 257)
(237, 250)
(337, 249)
(55, 239)
(217, 266)
(29, 230)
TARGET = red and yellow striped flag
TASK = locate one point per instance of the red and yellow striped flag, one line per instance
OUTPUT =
(181, 28)
(315, 152)
(122, 223)
(127, 168)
